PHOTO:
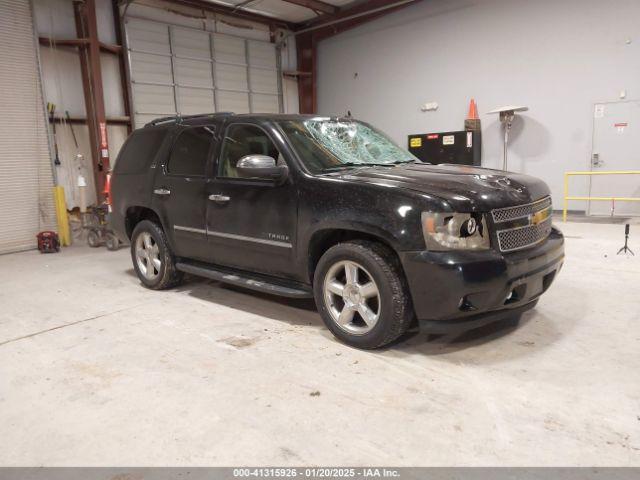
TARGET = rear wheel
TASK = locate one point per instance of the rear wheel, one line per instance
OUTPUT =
(152, 258)
(362, 295)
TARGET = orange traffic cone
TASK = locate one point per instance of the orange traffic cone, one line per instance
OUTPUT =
(472, 122)
(473, 110)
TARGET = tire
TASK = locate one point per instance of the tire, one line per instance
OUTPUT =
(162, 274)
(112, 242)
(389, 310)
(93, 239)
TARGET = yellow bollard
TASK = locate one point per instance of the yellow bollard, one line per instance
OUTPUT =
(64, 231)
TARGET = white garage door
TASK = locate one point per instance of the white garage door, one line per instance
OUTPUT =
(26, 198)
(175, 69)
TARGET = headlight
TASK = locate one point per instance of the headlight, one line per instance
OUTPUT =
(455, 231)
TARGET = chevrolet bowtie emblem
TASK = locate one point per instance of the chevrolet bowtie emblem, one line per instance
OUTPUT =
(539, 217)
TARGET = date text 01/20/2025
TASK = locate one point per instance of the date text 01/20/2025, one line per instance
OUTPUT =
(316, 472)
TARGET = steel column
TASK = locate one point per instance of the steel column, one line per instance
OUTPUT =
(124, 70)
(306, 49)
(87, 27)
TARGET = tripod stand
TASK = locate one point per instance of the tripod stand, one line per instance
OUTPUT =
(626, 248)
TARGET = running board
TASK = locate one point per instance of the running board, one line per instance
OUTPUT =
(246, 280)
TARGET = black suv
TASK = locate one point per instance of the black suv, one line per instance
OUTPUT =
(330, 208)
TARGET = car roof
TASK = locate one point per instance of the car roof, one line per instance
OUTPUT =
(204, 118)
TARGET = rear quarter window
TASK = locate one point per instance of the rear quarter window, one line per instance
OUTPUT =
(139, 151)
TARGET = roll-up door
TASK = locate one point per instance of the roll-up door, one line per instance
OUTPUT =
(26, 181)
(180, 70)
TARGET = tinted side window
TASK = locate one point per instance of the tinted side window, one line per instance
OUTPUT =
(190, 152)
(139, 151)
(242, 140)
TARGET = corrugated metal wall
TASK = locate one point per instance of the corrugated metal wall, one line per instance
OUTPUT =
(26, 181)
(176, 69)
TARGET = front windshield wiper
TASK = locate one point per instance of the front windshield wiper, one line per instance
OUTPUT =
(350, 164)
(363, 164)
(402, 162)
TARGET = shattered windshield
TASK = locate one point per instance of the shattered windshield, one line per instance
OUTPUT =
(326, 144)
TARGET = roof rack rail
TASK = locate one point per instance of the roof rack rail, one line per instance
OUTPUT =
(180, 118)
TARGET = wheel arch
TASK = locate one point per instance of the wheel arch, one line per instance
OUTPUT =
(136, 214)
(323, 239)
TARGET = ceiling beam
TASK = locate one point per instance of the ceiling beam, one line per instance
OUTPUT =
(234, 12)
(316, 6)
(361, 12)
(78, 42)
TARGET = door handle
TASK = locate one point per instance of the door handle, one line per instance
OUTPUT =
(219, 198)
(162, 191)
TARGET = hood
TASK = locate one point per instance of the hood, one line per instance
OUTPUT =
(464, 188)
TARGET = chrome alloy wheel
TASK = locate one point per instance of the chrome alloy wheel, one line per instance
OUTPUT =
(352, 297)
(148, 256)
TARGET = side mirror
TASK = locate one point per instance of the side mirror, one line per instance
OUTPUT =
(261, 166)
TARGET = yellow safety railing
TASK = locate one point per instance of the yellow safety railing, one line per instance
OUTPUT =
(606, 199)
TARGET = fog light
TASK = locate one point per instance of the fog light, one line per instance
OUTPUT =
(465, 304)
(516, 294)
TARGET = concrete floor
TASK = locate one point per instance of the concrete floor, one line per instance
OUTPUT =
(96, 370)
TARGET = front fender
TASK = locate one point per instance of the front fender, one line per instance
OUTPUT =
(356, 227)
(392, 214)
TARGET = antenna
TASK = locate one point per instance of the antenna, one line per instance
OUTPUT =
(507, 114)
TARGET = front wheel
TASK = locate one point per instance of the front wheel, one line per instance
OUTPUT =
(362, 295)
(152, 258)
(112, 242)
(93, 239)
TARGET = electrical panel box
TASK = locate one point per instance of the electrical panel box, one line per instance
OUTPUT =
(462, 148)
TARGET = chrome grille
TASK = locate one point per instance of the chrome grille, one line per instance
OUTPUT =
(520, 211)
(523, 237)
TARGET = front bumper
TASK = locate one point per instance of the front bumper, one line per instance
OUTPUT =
(464, 289)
